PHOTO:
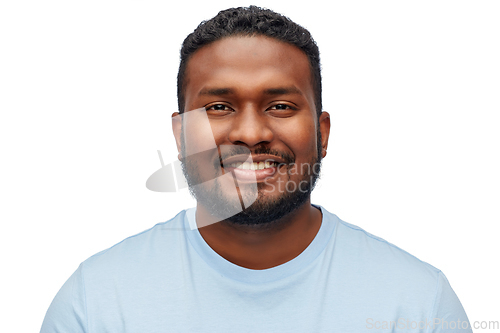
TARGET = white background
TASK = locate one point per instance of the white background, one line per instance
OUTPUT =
(87, 89)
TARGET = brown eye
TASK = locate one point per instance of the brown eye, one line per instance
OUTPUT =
(216, 110)
(281, 107)
(282, 110)
(218, 107)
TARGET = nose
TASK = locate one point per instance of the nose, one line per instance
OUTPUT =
(250, 128)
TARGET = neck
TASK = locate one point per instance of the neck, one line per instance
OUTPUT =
(258, 247)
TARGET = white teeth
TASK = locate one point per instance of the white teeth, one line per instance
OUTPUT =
(253, 166)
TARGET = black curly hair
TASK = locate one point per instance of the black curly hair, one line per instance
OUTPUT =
(250, 21)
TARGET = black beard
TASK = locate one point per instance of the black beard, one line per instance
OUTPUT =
(263, 212)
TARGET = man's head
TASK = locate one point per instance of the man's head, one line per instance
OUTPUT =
(251, 21)
(260, 97)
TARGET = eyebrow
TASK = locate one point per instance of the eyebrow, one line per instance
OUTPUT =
(291, 90)
(216, 91)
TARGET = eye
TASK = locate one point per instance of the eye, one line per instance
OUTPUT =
(280, 107)
(218, 109)
(282, 110)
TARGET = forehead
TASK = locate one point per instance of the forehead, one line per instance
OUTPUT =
(248, 64)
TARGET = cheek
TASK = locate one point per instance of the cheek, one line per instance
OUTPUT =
(220, 131)
(197, 132)
(300, 137)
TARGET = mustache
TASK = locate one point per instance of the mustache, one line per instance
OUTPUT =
(260, 150)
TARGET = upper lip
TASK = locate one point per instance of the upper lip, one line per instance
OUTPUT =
(255, 158)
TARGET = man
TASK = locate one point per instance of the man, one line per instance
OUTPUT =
(255, 255)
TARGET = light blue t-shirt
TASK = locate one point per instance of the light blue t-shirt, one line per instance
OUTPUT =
(167, 279)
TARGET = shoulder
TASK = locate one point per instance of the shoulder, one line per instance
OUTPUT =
(152, 244)
(381, 260)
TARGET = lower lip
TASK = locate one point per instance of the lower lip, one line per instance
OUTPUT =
(245, 175)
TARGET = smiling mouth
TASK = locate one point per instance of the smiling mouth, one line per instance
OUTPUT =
(253, 166)
(257, 167)
(251, 172)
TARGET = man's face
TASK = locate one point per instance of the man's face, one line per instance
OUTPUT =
(258, 97)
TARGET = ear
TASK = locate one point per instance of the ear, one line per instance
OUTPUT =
(324, 127)
(177, 129)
